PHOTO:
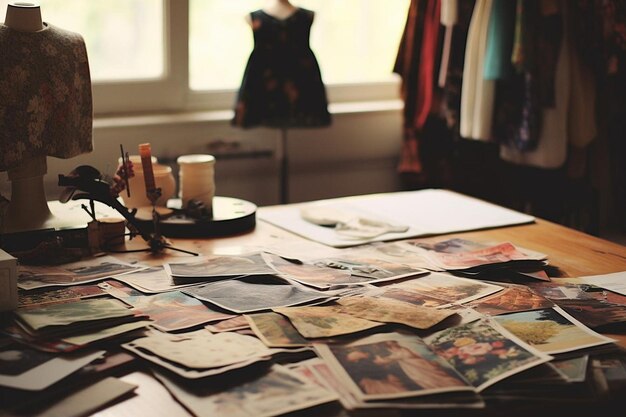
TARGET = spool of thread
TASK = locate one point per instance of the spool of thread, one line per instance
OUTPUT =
(197, 179)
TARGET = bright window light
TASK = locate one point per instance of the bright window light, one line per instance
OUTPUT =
(355, 41)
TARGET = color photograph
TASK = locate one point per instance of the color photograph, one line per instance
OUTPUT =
(551, 330)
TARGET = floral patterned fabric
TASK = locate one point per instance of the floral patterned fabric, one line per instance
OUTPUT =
(45, 95)
(282, 85)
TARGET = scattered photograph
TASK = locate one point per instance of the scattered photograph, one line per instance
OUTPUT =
(325, 321)
(65, 314)
(387, 310)
(392, 366)
(447, 287)
(277, 392)
(30, 277)
(221, 266)
(60, 295)
(503, 252)
(151, 280)
(595, 313)
(411, 296)
(169, 311)
(312, 275)
(275, 330)
(242, 296)
(510, 300)
(483, 354)
(551, 330)
(375, 270)
(201, 349)
(236, 323)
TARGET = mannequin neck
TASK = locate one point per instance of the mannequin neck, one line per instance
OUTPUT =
(280, 9)
(24, 17)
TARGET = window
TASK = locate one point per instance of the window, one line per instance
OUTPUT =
(158, 55)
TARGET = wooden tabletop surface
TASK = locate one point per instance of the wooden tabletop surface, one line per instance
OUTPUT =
(572, 252)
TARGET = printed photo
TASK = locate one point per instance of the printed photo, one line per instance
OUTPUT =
(449, 288)
(551, 330)
(96, 269)
(221, 266)
(394, 367)
(483, 354)
(275, 330)
(510, 300)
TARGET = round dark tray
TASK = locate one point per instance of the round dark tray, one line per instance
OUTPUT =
(230, 216)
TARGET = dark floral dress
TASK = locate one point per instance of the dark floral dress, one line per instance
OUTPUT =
(282, 85)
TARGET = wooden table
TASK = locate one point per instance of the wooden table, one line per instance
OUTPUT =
(574, 253)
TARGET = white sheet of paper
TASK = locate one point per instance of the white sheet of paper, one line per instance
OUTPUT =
(426, 212)
(615, 282)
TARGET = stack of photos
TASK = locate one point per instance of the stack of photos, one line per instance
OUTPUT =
(30, 277)
(67, 319)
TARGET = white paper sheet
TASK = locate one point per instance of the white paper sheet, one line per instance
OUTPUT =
(615, 282)
(426, 212)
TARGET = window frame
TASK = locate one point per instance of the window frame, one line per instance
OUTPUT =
(172, 93)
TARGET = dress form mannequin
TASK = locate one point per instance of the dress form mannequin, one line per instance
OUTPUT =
(28, 209)
(282, 85)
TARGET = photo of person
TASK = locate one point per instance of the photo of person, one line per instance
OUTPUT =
(397, 367)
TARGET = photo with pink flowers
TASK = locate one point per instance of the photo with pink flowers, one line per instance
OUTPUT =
(483, 353)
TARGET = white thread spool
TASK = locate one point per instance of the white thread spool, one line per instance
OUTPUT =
(197, 178)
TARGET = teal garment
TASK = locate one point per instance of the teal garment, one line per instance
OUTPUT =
(500, 41)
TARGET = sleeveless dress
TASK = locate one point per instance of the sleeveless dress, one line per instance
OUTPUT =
(282, 85)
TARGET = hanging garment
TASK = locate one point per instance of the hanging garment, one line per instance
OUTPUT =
(500, 41)
(407, 66)
(428, 57)
(282, 85)
(522, 96)
(551, 150)
(451, 97)
(449, 16)
(477, 93)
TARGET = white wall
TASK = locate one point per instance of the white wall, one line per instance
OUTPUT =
(357, 154)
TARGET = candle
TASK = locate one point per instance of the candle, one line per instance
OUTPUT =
(148, 174)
